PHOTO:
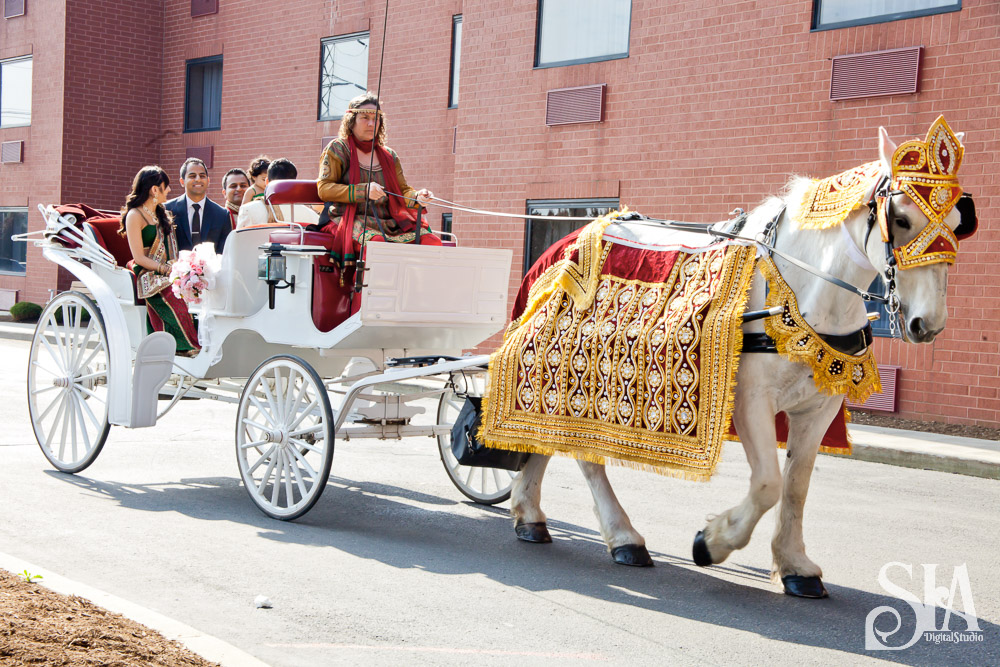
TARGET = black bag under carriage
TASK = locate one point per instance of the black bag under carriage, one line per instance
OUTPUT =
(470, 451)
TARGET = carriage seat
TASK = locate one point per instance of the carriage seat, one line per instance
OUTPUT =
(331, 301)
(292, 192)
(105, 232)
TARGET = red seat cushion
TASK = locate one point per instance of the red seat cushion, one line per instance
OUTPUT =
(292, 192)
(331, 301)
(106, 231)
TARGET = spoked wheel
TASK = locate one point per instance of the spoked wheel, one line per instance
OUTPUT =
(284, 437)
(486, 486)
(68, 382)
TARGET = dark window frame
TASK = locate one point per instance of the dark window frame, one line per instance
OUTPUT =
(612, 203)
(14, 245)
(576, 61)
(446, 222)
(197, 62)
(319, 90)
(456, 21)
(15, 59)
(882, 18)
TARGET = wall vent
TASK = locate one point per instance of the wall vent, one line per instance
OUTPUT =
(886, 401)
(583, 104)
(11, 152)
(204, 7)
(12, 8)
(203, 153)
(325, 141)
(892, 72)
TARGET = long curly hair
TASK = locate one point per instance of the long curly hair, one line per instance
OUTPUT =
(142, 185)
(350, 117)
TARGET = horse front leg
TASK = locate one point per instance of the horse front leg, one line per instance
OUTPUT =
(627, 547)
(526, 501)
(798, 574)
(724, 533)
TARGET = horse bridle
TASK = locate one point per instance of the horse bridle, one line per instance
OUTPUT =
(858, 340)
(883, 196)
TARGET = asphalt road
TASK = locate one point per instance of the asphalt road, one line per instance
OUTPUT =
(393, 566)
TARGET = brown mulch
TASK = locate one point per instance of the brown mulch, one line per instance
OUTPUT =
(963, 430)
(41, 627)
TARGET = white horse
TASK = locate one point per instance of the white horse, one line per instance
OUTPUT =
(768, 383)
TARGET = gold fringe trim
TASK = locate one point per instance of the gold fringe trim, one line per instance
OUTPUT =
(671, 453)
(856, 376)
(827, 202)
(535, 446)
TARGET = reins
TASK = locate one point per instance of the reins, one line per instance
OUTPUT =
(765, 240)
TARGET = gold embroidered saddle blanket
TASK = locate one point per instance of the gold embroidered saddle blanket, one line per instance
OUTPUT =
(624, 353)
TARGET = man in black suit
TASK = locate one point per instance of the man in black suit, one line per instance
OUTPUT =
(197, 217)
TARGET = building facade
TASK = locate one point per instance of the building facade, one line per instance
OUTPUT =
(677, 110)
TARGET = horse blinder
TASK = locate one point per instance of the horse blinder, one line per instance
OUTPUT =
(969, 223)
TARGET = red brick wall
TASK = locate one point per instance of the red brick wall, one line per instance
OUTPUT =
(37, 180)
(715, 107)
(112, 104)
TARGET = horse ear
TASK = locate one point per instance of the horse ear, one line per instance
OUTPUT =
(886, 147)
(961, 137)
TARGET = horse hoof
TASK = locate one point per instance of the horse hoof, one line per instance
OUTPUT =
(804, 587)
(699, 551)
(532, 532)
(632, 554)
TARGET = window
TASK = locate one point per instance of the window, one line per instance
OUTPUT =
(540, 234)
(13, 254)
(15, 92)
(343, 73)
(456, 60)
(880, 327)
(203, 100)
(581, 31)
(446, 222)
(828, 14)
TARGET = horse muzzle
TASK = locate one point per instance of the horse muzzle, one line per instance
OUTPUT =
(919, 330)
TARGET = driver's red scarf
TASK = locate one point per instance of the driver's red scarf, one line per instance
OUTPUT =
(343, 244)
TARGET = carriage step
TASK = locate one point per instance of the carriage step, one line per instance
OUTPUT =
(154, 360)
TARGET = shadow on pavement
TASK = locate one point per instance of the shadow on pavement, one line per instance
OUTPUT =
(380, 522)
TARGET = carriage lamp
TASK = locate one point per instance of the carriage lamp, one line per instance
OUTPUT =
(272, 269)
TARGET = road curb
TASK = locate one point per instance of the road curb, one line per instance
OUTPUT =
(207, 646)
(16, 331)
(925, 461)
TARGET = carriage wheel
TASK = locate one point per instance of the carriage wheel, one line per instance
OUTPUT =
(284, 437)
(68, 382)
(486, 486)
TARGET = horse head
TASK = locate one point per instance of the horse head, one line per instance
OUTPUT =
(921, 214)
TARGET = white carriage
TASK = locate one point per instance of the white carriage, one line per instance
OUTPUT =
(305, 366)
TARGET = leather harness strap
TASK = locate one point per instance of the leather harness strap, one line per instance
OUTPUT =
(852, 343)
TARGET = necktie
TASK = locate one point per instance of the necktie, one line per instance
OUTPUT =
(196, 225)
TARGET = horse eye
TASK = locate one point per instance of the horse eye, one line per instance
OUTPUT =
(902, 223)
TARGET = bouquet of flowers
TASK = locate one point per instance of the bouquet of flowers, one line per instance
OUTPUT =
(194, 272)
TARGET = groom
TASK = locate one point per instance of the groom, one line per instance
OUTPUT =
(197, 217)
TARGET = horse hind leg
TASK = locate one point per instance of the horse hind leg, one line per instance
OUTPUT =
(627, 547)
(799, 575)
(526, 501)
(731, 530)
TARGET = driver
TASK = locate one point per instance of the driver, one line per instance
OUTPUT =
(346, 181)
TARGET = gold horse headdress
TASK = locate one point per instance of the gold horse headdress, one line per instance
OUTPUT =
(927, 172)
